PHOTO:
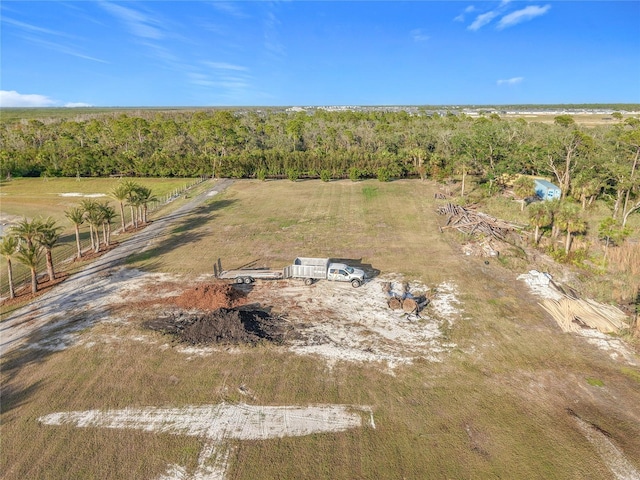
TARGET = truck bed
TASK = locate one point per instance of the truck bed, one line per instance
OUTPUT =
(305, 267)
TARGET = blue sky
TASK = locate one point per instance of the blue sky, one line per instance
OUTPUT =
(241, 53)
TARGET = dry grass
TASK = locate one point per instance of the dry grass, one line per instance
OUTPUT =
(626, 259)
(273, 222)
(495, 408)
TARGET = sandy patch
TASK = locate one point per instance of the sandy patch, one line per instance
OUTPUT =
(340, 323)
(218, 424)
(84, 195)
(610, 454)
(540, 284)
(75, 309)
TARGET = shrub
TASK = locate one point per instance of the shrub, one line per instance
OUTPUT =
(384, 175)
(262, 174)
(293, 174)
(325, 175)
(355, 174)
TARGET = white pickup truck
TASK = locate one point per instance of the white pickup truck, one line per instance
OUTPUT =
(309, 269)
(323, 268)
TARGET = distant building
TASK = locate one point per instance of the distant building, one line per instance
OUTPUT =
(547, 190)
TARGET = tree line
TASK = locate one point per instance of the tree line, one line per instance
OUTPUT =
(586, 162)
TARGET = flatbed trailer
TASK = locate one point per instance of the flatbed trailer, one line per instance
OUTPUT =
(305, 268)
(250, 275)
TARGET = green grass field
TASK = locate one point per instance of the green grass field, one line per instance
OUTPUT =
(502, 404)
(32, 197)
(51, 197)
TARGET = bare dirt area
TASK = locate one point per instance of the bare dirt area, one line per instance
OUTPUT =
(338, 323)
(329, 320)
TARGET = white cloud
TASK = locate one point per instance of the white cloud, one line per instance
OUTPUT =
(271, 35)
(417, 35)
(523, 15)
(510, 81)
(225, 66)
(33, 28)
(230, 8)
(469, 9)
(138, 23)
(230, 77)
(481, 20)
(11, 98)
(67, 50)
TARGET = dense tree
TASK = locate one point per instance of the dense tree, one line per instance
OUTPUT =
(587, 163)
(631, 139)
(524, 187)
(562, 152)
(564, 120)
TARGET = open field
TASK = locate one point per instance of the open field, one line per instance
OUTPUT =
(31, 197)
(483, 385)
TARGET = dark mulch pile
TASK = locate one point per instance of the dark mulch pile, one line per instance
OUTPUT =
(223, 325)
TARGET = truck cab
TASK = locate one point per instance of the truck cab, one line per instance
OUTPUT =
(341, 272)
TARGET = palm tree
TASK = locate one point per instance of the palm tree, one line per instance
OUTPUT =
(76, 216)
(612, 232)
(27, 230)
(29, 255)
(47, 238)
(145, 196)
(108, 213)
(570, 220)
(89, 207)
(539, 217)
(133, 200)
(95, 219)
(121, 194)
(8, 248)
(553, 207)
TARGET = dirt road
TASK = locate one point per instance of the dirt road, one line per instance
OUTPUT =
(96, 279)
